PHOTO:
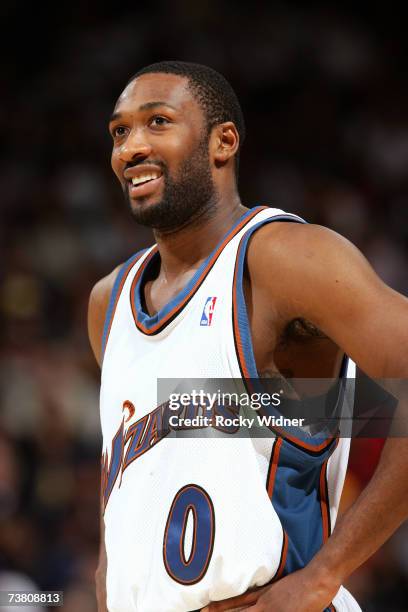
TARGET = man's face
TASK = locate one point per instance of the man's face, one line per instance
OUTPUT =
(160, 151)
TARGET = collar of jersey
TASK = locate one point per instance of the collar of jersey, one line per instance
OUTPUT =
(154, 324)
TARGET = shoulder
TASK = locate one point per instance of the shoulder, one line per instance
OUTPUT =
(300, 248)
(291, 239)
(99, 301)
(97, 307)
(305, 267)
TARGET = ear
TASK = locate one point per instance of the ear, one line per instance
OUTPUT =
(224, 142)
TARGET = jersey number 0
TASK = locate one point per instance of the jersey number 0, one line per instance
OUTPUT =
(189, 499)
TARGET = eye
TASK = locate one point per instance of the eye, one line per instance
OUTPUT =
(158, 121)
(118, 131)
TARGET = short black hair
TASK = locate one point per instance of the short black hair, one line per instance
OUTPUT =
(212, 91)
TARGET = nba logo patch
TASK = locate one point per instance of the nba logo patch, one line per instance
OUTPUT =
(208, 311)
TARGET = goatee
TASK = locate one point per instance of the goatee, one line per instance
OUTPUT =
(189, 196)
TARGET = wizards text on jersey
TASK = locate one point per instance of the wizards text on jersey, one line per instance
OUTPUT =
(130, 443)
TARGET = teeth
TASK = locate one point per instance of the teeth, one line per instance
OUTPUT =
(142, 179)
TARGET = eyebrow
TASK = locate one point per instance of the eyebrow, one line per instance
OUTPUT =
(144, 107)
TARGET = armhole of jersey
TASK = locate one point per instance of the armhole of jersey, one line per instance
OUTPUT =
(115, 295)
(243, 341)
(242, 337)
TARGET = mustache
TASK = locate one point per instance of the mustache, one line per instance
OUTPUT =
(147, 162)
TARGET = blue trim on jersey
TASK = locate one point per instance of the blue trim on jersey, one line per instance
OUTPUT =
(296, 495)
(242, 310)
(297, 433)
(150, 321)
(296, 500)
(114, 295)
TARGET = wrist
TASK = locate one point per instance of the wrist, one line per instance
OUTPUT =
(325, 577)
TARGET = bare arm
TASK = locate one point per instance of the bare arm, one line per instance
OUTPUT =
(100, 574)
(98, 304)
(335, 288)
(311, 272)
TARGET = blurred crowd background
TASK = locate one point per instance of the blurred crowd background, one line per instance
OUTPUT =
(324, 93)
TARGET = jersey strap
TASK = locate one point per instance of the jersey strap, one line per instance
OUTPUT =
(244, 349)
(115, 294)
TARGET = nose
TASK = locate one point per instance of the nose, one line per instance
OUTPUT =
(135, 147)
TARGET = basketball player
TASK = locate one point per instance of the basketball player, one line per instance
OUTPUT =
(228, 292)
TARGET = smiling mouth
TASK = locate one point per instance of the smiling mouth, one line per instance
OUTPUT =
(145, 178)
(145, 185)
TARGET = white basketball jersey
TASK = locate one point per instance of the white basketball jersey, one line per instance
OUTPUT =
(194, 520)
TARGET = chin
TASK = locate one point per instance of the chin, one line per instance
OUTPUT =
(143, 203)
(147, 213)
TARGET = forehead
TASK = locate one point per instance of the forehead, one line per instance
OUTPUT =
(157, 87)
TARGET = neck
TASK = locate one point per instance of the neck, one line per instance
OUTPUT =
(186, 248)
